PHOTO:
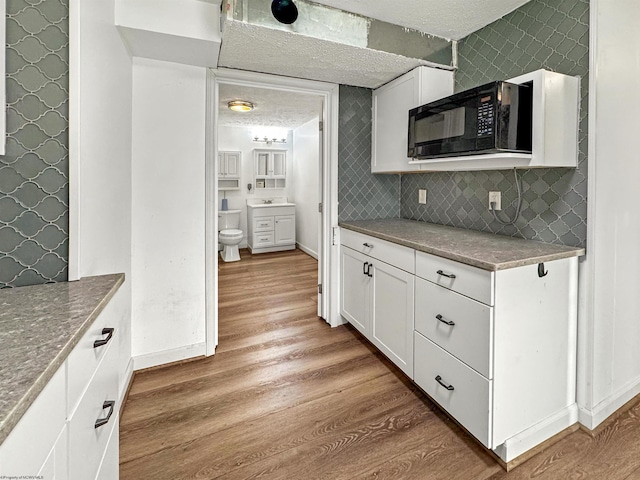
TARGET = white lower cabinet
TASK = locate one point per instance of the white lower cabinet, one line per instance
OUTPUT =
(272, 228)
(68, 431)
(377, 298)
(494, 349)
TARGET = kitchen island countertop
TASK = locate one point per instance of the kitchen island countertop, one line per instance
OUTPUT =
(39, 326)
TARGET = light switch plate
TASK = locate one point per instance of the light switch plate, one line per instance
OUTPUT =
(422, 196)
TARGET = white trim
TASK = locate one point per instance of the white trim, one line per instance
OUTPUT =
(307, 250)
(586, 296)
(124, 386)
(330, 257)
(168, 356)
(538, 433)
(211, 217)
(592, 418)
(74, 266)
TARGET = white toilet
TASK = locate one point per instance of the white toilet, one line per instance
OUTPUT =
(229, 235)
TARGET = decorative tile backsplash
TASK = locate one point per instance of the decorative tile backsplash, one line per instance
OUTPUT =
(34, 196)
(361, 195)
(541, 34)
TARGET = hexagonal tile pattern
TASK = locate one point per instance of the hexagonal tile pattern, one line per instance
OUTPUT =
(34, 173)
(541, 34)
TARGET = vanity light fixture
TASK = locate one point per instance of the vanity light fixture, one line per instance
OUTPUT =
(240, 106)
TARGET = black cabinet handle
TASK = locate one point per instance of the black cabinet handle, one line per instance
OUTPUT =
(448, 275)
(447, 322)
(369, 270)
(364, 268)
(448, 387)
(103, 421)
(368, 245)
(105, 331)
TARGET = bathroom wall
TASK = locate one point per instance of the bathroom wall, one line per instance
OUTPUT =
(540, 34)
(240, 139)
(34, 188)
(361, 194)
(306, 185)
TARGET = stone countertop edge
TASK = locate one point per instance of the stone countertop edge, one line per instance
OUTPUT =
(11, 414)
(470, 247)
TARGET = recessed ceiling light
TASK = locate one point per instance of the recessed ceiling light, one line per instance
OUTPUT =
(240, 106)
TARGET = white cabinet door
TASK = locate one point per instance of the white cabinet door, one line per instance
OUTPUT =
(391, 105)
(355, 283)
(232, 161)
(392, 314)
(278, 164)
(285, 229)
(109, 468)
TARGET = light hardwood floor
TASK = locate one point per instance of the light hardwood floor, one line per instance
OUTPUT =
(288, 397)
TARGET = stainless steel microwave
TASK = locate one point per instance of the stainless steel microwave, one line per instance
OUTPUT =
(492, 118)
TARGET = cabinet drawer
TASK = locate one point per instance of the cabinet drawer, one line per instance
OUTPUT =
(87, 443)
(469, 281)
(262, 239)
(470, 338)
(85, 358)
(391, 253)
(468, 400)
(262, 224)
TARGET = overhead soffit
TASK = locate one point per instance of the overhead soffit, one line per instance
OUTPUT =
(452, 19)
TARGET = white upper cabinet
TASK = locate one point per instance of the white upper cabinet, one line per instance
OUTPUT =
(391, 105)
(229, 170)
(270, 168)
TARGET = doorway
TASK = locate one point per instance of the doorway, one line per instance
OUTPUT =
(326, 97)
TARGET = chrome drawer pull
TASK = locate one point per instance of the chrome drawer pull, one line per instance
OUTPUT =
(103, 341)
(103, 421)
(447, 322)
(448, 275)
(448, 387)
(368, 245)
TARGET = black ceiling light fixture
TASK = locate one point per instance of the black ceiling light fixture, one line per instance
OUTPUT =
(285, 11)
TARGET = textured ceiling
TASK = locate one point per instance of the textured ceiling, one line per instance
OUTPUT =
(273, 108)
(251, 47)
(452, 19)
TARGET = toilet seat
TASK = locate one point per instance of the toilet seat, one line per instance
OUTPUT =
(230, 232)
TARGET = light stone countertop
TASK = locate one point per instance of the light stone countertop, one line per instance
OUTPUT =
(39, 326)
(479, 249)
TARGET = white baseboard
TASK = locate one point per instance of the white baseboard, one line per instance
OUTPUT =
(168, 356)
(307, 250)
(592, 418)
(538, 433)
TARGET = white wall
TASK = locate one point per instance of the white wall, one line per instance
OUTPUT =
(306, 183)
(240, 139)
(100, 153)
(609, 327)
(168, 246)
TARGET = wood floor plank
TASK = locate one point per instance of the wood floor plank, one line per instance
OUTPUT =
(287, 397)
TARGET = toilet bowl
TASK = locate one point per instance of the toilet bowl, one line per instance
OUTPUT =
(229, 235)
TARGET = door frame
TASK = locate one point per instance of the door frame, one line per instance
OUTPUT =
(330, 260)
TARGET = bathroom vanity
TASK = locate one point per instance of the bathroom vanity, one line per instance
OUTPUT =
(271, 224)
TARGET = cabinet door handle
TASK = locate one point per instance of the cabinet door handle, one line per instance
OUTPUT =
(364, 268)
(369, 270)
(368, 245)
(448, 275)
(103, 421)
(448, 387)
(103, 341)
(447, 322)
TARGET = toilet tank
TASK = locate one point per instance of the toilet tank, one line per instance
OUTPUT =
(228, 219)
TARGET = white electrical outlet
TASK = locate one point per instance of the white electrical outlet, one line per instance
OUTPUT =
(495, 197)
(422, 196)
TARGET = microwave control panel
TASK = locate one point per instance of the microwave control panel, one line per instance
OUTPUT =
(485, 116)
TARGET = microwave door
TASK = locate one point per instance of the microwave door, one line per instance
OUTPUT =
(446, 129)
